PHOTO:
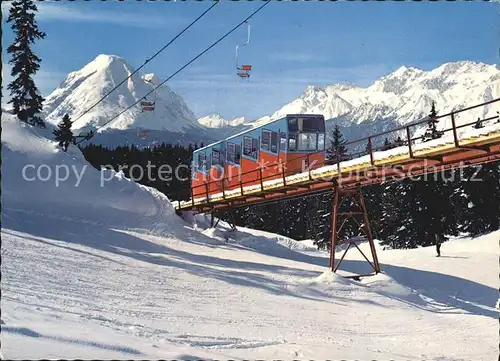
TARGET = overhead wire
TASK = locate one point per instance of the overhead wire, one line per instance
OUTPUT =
(148, 60)
(178, 71)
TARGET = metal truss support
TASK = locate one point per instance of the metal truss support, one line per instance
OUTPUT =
(226, 215)
(231, 221)
(359, 215)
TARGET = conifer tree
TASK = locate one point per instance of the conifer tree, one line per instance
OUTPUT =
(337, 146)
(433, 112)
(63, 134)
(25, 97)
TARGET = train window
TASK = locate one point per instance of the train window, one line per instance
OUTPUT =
(247, 146)
(237, 153)
(321, 141)
(202, 163)
(313, 125)
(306, 124)
(292, 142)
(274, 142)
(233, 153)
(250, 147)
(282, 141)
(266, 140)
(217, 158)
(307, 141)
(230, 152)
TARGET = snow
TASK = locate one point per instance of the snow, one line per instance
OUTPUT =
(83, 88)
(217, 121)
(110, 271)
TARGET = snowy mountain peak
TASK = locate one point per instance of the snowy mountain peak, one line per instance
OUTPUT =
(104, 63)
(215, 120)
(405, 71)
(402, 96)
(105, 60)
(314, 92)
(152, 78)
(316, 100)
(83, 88)
(470, 66)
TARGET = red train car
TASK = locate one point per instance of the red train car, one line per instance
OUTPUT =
(287, 145)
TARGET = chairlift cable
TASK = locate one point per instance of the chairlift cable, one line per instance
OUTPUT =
(148, 60)
(187, 64)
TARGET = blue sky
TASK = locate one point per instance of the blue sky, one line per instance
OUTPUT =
(293, 44)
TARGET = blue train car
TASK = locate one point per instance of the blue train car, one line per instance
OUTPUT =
(244, 159)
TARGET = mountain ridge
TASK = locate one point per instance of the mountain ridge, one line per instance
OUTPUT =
(403, 96)
(398, 98)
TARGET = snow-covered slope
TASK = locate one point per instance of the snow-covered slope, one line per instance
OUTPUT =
(37, 177)
(83, 88)
(403, 96)
(97, 270)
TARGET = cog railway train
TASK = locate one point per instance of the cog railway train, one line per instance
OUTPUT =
(259, 154)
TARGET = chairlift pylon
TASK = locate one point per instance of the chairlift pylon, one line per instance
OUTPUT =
(243, 70)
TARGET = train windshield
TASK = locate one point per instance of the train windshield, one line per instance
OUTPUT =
(306, 133)
(306, 124)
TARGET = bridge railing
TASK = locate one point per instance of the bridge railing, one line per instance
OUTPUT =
(309, 162)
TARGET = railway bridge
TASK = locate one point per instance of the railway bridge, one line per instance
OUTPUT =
(468, 136)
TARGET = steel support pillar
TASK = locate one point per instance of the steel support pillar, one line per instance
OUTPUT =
(359, 215)
(212, 219)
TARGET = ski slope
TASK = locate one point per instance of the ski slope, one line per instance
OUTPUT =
(110, 271)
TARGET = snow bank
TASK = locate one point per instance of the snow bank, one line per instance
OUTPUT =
(39, 177)
(260, 241)
(327, 280)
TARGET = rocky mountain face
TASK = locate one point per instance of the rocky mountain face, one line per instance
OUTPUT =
(83, 88)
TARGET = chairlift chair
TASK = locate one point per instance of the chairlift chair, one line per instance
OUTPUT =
(147, 106)
(243, 70)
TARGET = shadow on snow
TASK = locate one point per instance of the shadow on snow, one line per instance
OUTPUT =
(30, 333)
(447, 290)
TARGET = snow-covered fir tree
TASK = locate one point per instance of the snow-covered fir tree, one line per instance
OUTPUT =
(25, 97)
